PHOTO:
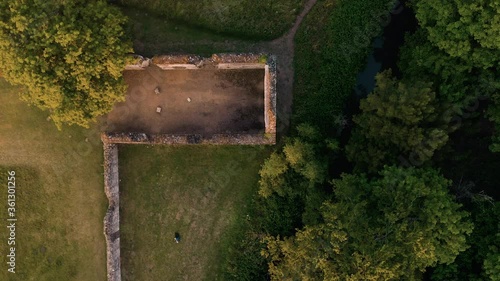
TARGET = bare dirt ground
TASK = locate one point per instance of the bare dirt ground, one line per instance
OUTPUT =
(221, 101)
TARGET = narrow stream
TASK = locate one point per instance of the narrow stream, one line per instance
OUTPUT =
(385, 48)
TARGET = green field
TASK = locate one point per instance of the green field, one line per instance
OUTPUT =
(201, 192)
(60, 198)
(153, 35)
(241, 18)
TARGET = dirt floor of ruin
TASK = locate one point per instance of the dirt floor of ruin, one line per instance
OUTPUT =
(200, 101)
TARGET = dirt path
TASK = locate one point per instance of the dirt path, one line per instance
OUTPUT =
(284, 48)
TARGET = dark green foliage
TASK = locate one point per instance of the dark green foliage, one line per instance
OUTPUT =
(381, 229)
(463, 29)
(478, 262)
(69, 55)
(458, 49)
(275, 215)
(329, 56)
(299, 169)
(400, 123)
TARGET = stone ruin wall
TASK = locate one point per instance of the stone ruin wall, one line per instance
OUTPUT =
(219, 139)
(112, 217)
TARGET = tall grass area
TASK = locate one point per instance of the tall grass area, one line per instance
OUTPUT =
(332, 46)
(243, 18)
(201, 192)
(60, 203)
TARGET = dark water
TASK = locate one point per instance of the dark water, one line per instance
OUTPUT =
(384, 55)
(385, 52)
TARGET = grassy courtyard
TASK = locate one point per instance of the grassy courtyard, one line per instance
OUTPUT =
(60, 201)
(201, 192)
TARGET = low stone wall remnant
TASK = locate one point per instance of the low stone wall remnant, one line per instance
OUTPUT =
(189, 139)
(112, 217)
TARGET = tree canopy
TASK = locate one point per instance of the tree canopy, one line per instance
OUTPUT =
(399, 120)
(481, 261)
(68, 55)
(299, 169)
(458, 48)
(469, 30)
(380, 229)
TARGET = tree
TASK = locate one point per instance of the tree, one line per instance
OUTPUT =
(469, 30)
(480, 261)
(380, 229)
(492, 263)
(400, 121)
(299, 169)
(69, 56)
(458, 49)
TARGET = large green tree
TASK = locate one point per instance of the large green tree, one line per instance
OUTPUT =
(480, 261)
(299, 170)
(458, 48)
(400, 123)
(469, 30)
(382, 229)
(69, 55)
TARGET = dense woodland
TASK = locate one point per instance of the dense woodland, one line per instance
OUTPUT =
(403, 188)
(417, 197)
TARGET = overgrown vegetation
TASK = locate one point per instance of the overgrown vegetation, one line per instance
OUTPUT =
(332, 45)
(242, 18)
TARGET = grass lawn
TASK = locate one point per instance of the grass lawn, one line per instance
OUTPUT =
(60, 200)
(154, 35)
(242, 18)
(201, 192)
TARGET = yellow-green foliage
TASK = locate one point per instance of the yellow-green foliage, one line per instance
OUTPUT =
(69, 56)
(380, 229)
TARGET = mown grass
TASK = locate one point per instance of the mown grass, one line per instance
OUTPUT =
(201, 192)
(242, 18)
(60, 198)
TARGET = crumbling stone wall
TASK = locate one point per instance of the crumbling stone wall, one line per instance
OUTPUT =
(112, 217)
(270, 81)
(218, 139)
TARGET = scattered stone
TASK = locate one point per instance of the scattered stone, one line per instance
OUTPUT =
(145, 63)
(189, 99)
(86, 139)
(157, 90)
(158, 109)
